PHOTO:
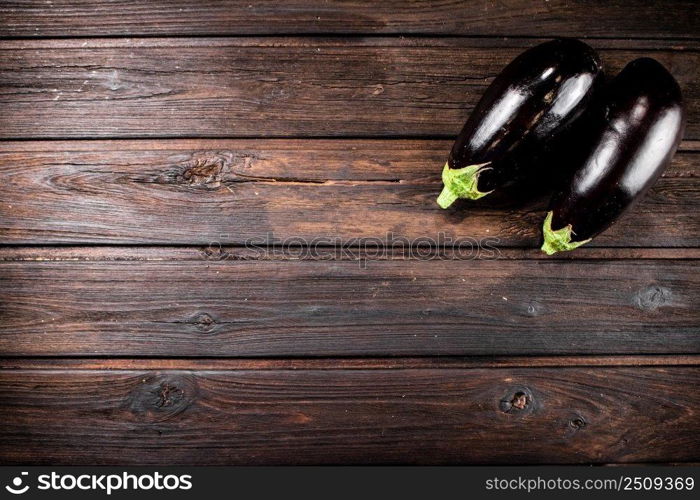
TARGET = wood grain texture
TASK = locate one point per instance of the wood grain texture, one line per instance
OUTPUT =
(505, 415)
(623, 18)
(300, 191)
(339, 307)
(348, 363)
(272, 87)
(119, 253)
(198, 350)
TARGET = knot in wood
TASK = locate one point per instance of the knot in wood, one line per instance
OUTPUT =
(577, 423)
(157, 398)
(652, 297)
(207, 168)
(517, 401)
(214, 252)
(169, 395)
(534, 309)
(204, 322)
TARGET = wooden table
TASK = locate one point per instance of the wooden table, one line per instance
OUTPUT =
(196, 200)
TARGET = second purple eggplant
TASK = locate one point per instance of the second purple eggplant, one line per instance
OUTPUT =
(620, 148)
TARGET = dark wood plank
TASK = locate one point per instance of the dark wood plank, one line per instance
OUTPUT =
(104, 253)
(628, 18)
(271, 87)
(338, 307)
(373, 363)
(233, 191)
(505, 415)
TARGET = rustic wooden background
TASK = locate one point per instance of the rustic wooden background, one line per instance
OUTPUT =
(143, 143)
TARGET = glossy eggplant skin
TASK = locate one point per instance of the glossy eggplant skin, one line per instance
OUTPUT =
(527, 106)
(620, 148)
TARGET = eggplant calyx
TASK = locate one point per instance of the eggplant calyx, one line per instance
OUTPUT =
(559, 240)
(461, 183)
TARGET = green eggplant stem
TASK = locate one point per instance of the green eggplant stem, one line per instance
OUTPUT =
(559, 240)
(461, 183)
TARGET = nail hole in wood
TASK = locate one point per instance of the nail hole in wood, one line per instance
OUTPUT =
(517, 401)
(577, 423)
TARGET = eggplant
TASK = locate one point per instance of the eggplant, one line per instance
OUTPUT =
(620, 148)
(522, 113)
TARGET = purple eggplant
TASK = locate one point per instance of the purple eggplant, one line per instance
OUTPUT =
(522, 113)
(621, 146)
